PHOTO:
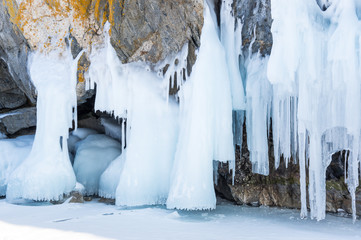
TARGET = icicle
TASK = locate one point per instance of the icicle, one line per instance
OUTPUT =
(237, 121)
(123, 133)
(176, 66)
(302, 158)
(232, 48)
(215, 172)
(259, 94)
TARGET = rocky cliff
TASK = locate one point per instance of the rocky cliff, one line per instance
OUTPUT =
(140, 31)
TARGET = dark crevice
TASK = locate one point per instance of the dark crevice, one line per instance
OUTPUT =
(324, 4)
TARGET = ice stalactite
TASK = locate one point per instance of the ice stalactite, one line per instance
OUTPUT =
(206, 125)
(255, 103)
(232, 42)
(230, 34)
(258, 113)
(46, 174)
(315, 71)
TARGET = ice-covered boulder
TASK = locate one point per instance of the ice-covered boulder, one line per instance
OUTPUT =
(13, 152)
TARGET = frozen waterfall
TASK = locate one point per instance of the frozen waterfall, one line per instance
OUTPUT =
(308, 88)
(315, 70)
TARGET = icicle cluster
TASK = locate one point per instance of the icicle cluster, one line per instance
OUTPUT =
(315, 69)
(160, 165)
(309, 87)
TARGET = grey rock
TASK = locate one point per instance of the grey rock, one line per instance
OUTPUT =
(152, 30)
(12, 99)
(10, 95)
(107, 201)
(88, 198)
(14, 52)
(76, 197)
(256, 19)
(15, 120)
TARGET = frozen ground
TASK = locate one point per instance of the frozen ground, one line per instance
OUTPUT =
(94, 220)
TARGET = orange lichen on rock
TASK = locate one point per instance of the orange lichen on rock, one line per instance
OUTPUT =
(81, 9)
(40, 19)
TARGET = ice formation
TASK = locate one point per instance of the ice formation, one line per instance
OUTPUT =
(206, 129)
(136, 94)
(109, 179)
(315, 71)
(75, 137)
(231, 40)
(10, 161)
(93, 156)
(259, 96)
(46, 174)
(309, 88)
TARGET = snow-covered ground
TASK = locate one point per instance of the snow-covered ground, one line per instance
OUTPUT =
(94, 220)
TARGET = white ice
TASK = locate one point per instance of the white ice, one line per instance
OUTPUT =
(259, 98)
(12, 154)
(315, 71)
(74, 137)
(136, 93)
(231, 40)
(93, 156)
(206, 125)
(109, 179)
(46, 174)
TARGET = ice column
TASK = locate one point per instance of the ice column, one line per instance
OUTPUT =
(141, 175)
(206, 125)
(46, 174)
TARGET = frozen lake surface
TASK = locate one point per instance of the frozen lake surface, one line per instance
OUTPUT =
(94, 220)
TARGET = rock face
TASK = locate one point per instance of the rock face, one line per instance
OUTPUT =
(14, 80)
(140, 30)
(282, 187)
(153, 30)
(13, 121)
(255, 16)
(10, 95)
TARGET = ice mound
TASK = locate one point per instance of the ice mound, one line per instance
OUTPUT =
(109, 180)
(93, 155)
(76, 136)
(13, 153)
